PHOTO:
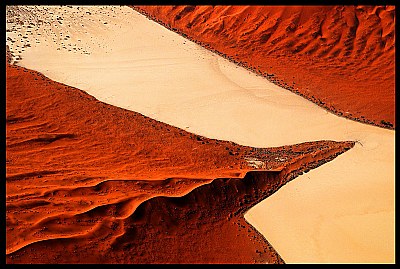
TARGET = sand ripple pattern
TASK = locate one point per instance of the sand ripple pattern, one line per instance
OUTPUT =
(326, 54)
(83, 173)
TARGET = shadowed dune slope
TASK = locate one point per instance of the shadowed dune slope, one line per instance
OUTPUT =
(87, 182)
(328, 54)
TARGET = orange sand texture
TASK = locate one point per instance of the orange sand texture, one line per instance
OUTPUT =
(82, 178)
(88, 182)
(315, 51)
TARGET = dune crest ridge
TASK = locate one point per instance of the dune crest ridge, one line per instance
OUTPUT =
(80, 189)
(80, 160)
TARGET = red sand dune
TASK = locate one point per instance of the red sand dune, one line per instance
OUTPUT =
(328, 54)
(87, 182)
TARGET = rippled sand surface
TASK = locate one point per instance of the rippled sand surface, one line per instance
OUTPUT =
(341, 212)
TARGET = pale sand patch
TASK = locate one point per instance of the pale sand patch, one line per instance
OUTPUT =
(341, 212)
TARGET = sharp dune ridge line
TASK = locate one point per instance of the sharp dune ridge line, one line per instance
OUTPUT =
(64, 212)
(103, 51)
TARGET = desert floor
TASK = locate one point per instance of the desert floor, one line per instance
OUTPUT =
(340, 212)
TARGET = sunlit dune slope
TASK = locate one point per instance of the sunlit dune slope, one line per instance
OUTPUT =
(89, 182)
(340, 57)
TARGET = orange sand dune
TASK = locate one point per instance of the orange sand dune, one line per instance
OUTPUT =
(339, 57)
(88, 182)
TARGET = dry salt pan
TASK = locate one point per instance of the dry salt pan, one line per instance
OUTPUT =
(342, 211)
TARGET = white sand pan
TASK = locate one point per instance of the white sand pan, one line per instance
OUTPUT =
(342, 211)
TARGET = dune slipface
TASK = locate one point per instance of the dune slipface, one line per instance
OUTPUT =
(88, 182)
(328, 54)
(85, 170)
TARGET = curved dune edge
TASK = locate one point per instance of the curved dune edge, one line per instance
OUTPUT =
(62, 198)
(327, 228)
(372, 181)
(324, 54)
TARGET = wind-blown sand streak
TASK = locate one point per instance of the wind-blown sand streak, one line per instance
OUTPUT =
(167, 82)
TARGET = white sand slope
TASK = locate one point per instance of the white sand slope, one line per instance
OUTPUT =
(342, 211)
